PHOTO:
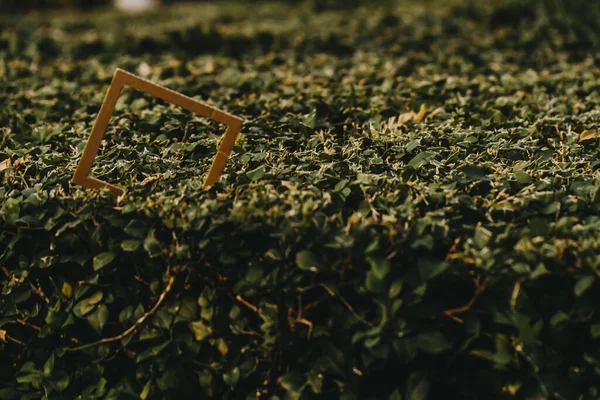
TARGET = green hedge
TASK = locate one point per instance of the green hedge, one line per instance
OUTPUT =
(343, 254)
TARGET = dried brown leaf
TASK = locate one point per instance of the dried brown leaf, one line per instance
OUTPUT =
(588, 134)
(402, 119)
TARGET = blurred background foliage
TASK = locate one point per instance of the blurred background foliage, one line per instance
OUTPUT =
(579, 11)
(579, 6)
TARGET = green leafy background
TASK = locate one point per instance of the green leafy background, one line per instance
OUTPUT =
(343, 254)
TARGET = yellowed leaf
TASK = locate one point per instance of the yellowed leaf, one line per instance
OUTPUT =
(418, 117)
(587, 134)
(209, 68)
(4, 164)
(151, 179)
(3, 335)
(288, 185)
(18, 162)
(222, 347)
(67, 290)
(512, 389)
(402, 119)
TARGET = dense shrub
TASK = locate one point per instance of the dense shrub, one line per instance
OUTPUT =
(356, 248)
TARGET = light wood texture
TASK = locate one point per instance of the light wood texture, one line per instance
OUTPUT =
(123, 78)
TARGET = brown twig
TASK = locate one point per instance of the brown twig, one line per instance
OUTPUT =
(37, 328)
(452, 252)
(479, 288)
(137, 323)
(38, 291)
(23, 179)
(299, 319)
(247, 332)
(9, 274)
(25, 323)
(249, 305)
(5, 337)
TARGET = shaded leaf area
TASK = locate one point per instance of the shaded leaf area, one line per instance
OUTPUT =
(412, 210)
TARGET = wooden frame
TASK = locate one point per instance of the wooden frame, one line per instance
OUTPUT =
(123, 78)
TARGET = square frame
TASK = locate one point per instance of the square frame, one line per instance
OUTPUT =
(123, 78)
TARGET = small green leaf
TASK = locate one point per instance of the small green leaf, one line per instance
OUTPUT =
(151, 245)
(523, 178)
(432, 342)
(103, 259)
(583, 284)
(595, 331)
(475, 172)
(307, 260)
(395, 289)
(200, 329)
(430, 268)
(126, 314)
(96, 297)
(98, 318)
(417, 387)
(151, 352)
(61, 381)
(189, 309)
(309, 120)
(482, 237)
(421, 159)
(374, 283)
(293, 383)
(85, 306)
(130, 245)
(528, 332)
(35, 378)
(231, 378)
(366, 179)
(146, 391)
(49, 365)
(205, 378)
(379, 266)
(257, 173)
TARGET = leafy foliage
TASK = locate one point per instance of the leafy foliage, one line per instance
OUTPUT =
(355, 248)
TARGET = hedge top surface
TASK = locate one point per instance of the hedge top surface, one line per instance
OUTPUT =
(354, 248)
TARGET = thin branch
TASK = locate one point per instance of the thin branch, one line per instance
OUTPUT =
(9, 274)
(39, 292)
(246, 332)
(5, 337)
(452, 252)
(25, 323)
(479, 288)
(137, 323)
(23, 179)
(30, 228)
(299, 319)
(249, 305)
(348, 305)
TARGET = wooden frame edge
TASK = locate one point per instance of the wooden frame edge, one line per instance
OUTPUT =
(123, 78)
